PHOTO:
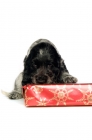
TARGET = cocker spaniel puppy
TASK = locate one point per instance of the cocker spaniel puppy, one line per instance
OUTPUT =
(42, 65)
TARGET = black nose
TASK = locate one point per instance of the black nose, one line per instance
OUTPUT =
(42, 79)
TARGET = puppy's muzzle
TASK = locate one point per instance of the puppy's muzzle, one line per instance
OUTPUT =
(41, 79)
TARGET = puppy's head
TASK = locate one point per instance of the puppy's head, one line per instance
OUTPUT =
(42, 64)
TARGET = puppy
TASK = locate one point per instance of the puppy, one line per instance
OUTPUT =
(42, 65)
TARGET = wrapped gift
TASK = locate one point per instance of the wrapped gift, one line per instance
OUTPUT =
(58, 95)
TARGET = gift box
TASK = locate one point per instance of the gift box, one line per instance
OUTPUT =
(58, 95)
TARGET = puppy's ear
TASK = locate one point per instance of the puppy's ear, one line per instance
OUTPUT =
(25, 60)
(60, 61)
(63, 66)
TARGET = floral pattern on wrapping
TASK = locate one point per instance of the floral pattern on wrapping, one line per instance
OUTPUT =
(56, 95)
(37, 89)
(87, 95)
(61, 94)
(27, 98)
(42, 102)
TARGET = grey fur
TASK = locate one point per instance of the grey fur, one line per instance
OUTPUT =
(17, 92)
(67, 78)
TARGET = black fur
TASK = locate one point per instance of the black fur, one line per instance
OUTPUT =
(42, 65)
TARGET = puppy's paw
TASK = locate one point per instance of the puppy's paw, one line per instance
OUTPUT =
(70, 79)
(15, 95)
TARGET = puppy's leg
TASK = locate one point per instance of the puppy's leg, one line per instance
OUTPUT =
(17, 92)
(67, 78)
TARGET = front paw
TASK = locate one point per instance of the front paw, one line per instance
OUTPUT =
(15, 95)
(70, 79)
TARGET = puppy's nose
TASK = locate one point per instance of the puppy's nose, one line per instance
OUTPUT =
(41, 79)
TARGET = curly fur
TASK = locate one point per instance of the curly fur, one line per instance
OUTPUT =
(42, 65)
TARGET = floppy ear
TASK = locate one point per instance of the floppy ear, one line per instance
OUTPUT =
(64, 76)
(62, 66)
(25, 60)
(25, 72)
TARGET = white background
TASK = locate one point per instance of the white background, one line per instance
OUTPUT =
(68, 24)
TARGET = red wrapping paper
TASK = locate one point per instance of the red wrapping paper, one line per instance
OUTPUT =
(58, 95)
